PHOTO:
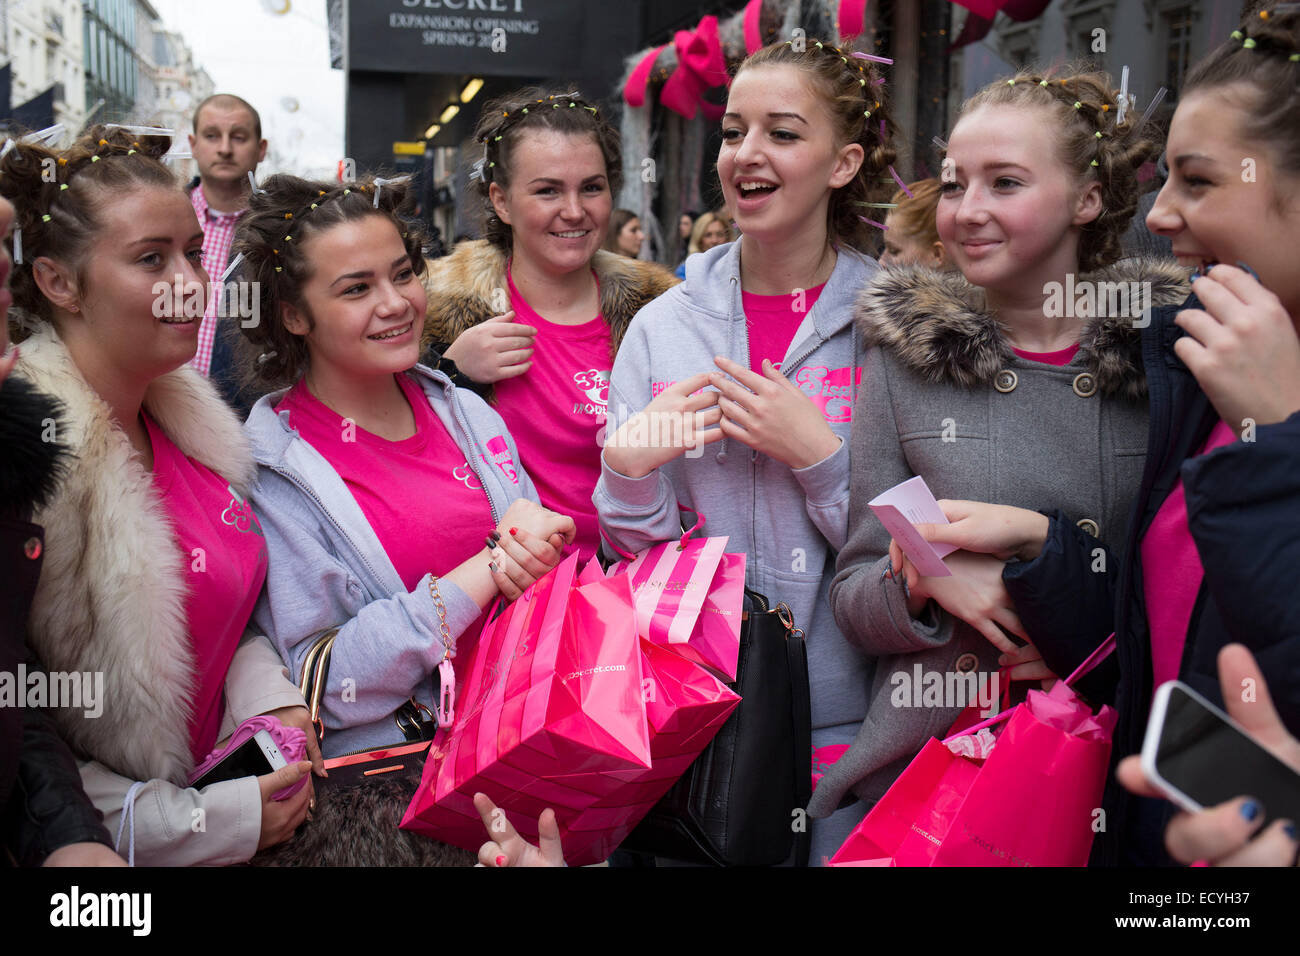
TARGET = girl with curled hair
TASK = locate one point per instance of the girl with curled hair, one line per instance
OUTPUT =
(152, 558)
(1208, 560)
(1017, 380)
(534, 314)
(757, 354)
(394, 504)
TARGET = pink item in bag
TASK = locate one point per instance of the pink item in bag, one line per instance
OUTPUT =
(1031, 802)
(291, 741)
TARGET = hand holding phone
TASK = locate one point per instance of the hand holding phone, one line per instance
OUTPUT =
(1244, 766)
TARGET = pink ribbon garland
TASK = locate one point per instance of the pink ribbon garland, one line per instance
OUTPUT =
(753, 26)
(852, 17)
(699, 66)
(635, 91)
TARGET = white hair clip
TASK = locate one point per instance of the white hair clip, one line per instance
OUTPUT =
(1151, 107)
(44, 136)
(18, 246)
(9, 144)
(143, 130)
(252, 181)
(380, 183)
(1123, 97)
(234, 264)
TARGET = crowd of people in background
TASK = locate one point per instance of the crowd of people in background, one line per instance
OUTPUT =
(401, 442)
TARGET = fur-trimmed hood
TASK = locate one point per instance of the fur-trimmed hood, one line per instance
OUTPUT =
(112, 591)
(938, 325)
(463, 286)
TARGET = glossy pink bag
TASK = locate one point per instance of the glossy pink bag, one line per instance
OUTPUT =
(550, 699)
(1032, 801)
(689, 598)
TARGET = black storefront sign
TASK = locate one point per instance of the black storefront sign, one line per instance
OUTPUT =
(496, 37)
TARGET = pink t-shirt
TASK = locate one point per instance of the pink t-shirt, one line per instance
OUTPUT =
(772, 321)
(1060, 357)
(556, 411)
(224, 552)
(420, 496)
(1172, 572)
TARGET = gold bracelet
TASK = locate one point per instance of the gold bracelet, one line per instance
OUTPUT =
(442, 615)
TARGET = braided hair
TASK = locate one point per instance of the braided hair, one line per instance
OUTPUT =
(1091, 141)
(853, 91)
(1261, 59)
(59, 197)
(284, 212)
(501, 127)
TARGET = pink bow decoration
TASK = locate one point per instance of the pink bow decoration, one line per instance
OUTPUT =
(699, 66)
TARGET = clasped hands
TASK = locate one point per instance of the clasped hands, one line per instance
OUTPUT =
(766, 412)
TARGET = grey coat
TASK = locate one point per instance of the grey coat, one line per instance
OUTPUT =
(945, 397)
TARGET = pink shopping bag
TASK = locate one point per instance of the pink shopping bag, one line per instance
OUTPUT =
(689, 598)
(685, 706)
(1030, 802)
(551, 697)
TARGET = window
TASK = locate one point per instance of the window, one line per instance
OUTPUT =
(1176, 41)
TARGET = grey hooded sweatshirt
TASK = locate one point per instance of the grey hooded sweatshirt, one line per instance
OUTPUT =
(326, 568)
(789, 522)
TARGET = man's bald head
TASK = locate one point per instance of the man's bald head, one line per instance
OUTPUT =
(229, 101)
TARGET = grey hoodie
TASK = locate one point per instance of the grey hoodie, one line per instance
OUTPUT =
(789, 522)
(327, 568)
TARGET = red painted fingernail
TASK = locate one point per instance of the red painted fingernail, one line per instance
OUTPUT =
(513, 532)
(501, 861)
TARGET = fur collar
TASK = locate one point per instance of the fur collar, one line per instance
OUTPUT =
(111, 597)
(463, 285)
(937, 325)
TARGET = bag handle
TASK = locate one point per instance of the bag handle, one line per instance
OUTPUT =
(315, 670)
(1106, 648)
(686, 533)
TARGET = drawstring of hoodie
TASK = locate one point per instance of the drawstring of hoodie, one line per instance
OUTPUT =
(721, 456)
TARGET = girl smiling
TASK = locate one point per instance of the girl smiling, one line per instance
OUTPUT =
(985, 390)
(756, 355)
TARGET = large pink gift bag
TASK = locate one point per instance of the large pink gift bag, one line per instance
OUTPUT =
(1030, 800)
(551, 697)
(685, 706)
(689, 598)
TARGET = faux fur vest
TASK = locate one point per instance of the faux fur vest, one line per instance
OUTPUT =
(463, 286)
(112, 592)
(938, 325)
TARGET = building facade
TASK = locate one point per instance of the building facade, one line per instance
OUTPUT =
(44, 43)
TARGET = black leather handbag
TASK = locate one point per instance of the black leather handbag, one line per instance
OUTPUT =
(741, 802)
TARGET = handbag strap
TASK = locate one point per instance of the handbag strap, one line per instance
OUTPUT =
(315, 674)
(686, 533)
(1104, 650)
(315, 671)
(796, 653)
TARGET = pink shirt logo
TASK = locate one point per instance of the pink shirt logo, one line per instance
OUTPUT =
(594, 384)
(833, 390)
(465, 475)
(239, 514)
(499, 455)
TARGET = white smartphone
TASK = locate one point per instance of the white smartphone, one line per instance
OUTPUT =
(256, 756)
(1200, 757)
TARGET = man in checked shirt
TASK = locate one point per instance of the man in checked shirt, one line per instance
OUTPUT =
(227, 145)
